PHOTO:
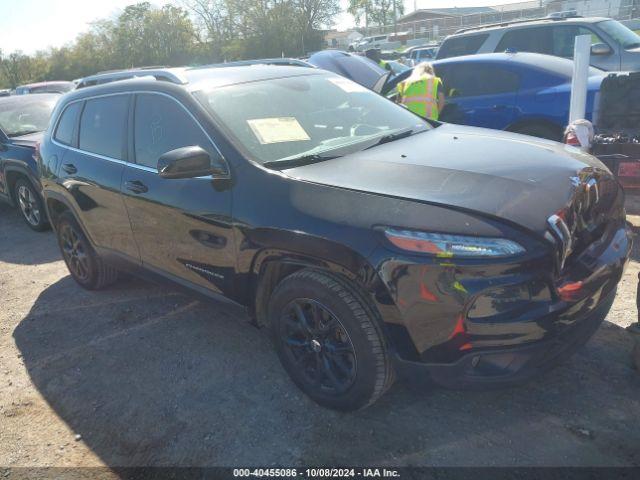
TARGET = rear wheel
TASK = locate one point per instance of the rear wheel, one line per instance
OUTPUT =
(329, 341)
(30, 205)
(85, 265)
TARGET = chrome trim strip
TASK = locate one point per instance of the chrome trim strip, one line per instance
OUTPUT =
(560, 228)
(592, 185)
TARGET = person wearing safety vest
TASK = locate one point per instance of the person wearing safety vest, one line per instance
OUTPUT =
(422, 92)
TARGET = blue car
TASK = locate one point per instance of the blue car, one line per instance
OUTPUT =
(23, 118)
(526, 93)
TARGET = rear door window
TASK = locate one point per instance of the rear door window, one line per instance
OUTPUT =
(65, 131)
(464, 45)
(536, 40)
(103, 126)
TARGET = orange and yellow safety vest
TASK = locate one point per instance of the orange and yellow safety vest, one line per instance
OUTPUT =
(421, 96)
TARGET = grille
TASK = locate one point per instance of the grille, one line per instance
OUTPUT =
(585, 218)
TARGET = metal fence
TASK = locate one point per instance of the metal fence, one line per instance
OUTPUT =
(435, 29)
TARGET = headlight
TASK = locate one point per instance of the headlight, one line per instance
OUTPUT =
(446, 246)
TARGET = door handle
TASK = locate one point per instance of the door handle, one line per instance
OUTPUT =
(136, 186)
(499, 107)
(70, 168)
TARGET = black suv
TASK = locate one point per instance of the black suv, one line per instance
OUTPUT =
(23, 118)
(369, 241)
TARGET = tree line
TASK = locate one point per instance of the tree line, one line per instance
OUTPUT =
(195, 32)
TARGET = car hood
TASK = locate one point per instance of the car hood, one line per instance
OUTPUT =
(30, 140)
(513, 177)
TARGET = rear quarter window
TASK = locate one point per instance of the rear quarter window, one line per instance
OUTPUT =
(65, 131)
(464, 45)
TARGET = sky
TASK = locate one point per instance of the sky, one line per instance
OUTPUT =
(31, 25)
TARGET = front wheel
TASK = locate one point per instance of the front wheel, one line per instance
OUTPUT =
(329, 341)
(30, 205)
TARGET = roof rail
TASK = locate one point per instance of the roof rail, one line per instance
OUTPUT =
(173, 75)
(516, 22)
(278, 61)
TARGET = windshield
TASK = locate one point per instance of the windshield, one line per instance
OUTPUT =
(26, 114)
(621, 34)
(320, 115)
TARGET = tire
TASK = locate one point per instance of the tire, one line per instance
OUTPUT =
(540, 131)
(30, 205)
(85, 266)
(329, 340)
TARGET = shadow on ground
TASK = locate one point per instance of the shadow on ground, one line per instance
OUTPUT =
(150, 377)
(32, 251)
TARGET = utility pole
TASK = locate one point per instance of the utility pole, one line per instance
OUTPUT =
(366, 19)
(395, 19)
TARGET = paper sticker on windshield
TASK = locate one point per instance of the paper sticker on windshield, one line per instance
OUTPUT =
(278, 130)
(347, 85)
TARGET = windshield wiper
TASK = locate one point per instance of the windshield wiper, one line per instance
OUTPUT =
(298, 161)
(392, 137)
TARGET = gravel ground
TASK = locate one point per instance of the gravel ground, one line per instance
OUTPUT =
(142, 375)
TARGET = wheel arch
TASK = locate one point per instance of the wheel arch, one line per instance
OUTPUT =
(56, 205)
(11, 174)
(270, 267)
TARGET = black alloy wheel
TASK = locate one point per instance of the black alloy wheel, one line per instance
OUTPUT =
(75, 253)
(315, 339)
(329, 339)
(85, 265)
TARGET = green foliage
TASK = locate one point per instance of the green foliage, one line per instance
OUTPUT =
(201, 31)
(375, 12)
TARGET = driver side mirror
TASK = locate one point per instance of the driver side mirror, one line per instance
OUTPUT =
(600, 49)
(189, 162)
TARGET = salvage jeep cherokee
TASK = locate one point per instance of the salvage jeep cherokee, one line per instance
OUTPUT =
(369, 241)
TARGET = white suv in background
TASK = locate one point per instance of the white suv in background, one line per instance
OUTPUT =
(614, 47)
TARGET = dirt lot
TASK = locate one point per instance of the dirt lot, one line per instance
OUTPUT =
(142, 375)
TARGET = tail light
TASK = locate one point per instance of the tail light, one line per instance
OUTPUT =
(572, 139)
(36, 152)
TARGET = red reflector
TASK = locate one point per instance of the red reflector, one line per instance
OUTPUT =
(414, 245)
(459, 329)
(466, 346)
(426, 294)
(570, 291)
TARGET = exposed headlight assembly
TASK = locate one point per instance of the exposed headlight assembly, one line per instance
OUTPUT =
(456, 246)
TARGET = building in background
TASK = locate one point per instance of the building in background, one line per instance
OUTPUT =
(341, 40)
(595, 8)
